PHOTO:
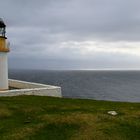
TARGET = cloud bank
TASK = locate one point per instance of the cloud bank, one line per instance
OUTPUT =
(73, 34)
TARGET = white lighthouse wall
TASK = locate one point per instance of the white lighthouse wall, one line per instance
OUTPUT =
(3, 71)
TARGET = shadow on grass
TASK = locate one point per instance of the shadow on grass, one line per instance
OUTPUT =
(59, 131)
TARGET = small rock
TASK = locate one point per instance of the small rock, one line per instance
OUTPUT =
(28, 120)
(114, 113)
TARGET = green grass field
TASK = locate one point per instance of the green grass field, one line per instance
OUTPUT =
(46, 118)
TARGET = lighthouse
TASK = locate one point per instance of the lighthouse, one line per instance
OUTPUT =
(3, 57)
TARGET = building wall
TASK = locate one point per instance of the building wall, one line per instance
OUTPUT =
(29, 88)
(3, 45)
(3, 71)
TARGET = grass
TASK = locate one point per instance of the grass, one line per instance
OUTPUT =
(46, 118)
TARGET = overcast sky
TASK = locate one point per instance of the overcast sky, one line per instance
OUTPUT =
(73, 34)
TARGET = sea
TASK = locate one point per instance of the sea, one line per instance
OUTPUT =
(87, 84)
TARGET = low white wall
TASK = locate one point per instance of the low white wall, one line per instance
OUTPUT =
(29, 88)
(24, 85)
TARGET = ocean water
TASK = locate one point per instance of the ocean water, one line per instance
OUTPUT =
(99, 85)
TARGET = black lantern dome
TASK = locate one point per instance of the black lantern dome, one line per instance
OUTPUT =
(2, 28)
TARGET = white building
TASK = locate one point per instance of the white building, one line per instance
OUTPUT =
(3, 57)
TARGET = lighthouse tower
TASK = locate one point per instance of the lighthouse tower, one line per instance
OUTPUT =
(3, 57)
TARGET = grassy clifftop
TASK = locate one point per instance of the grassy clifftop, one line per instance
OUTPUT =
(46, 118)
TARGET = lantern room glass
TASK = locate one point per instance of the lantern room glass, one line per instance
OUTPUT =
(2, 32)
(2, 28)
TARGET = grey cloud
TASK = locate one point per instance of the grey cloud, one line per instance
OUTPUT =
(37, 28)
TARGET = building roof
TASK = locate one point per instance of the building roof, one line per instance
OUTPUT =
(2, 24)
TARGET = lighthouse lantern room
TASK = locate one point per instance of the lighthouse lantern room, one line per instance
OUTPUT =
(3, 57)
